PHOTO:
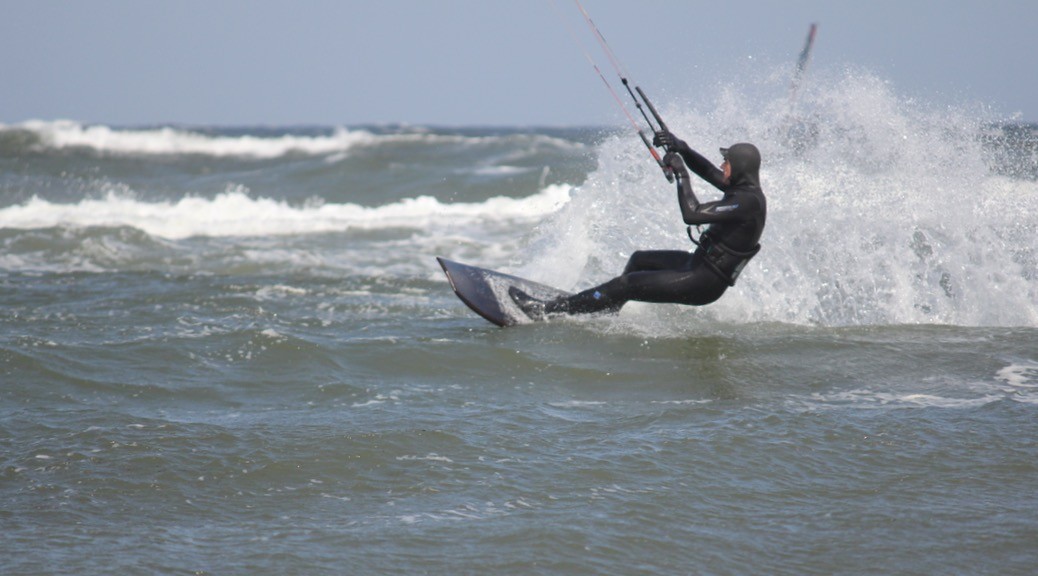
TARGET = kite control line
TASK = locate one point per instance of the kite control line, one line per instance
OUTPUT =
(805, 55)
(667, 171)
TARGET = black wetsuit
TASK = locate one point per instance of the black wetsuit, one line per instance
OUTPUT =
(735, 224)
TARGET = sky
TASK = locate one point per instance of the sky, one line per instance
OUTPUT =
(480, 62)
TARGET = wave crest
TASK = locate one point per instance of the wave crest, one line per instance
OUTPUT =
(235, 213)
(66, 134)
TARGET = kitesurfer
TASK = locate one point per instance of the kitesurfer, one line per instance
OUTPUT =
(734, 226)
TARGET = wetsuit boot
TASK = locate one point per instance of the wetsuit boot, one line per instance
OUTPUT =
(530, 306)
(589, 301)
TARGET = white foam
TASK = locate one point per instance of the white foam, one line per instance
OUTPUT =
(1023, 375)
(279, 291)
(577, 404)
(869, 399)
(431, 457)
(234, 213)
(166, 140)
(891, 216)
(1021, 381)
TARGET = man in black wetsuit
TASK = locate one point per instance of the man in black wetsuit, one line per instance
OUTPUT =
(735, 224)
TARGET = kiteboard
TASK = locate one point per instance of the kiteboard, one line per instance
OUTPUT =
(486, 291)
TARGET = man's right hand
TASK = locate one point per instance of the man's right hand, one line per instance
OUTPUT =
(673, 161)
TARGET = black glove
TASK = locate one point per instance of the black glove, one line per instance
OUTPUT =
(673, 161)
(667, 140)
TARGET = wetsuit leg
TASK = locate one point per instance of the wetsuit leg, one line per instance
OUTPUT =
(643, 260)
(690, 283)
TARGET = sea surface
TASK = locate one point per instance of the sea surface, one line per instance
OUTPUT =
(230, 350)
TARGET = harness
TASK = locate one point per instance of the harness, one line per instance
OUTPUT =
(716, 250)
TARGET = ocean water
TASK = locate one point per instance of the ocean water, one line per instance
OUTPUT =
(231, 350)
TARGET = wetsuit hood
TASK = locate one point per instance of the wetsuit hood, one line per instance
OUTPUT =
(744, 160)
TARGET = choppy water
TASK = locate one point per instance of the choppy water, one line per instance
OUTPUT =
(232, 351)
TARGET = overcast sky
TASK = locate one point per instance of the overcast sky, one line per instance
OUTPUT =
(478, 62)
